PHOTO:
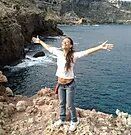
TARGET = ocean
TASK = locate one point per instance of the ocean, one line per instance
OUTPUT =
(103, 79)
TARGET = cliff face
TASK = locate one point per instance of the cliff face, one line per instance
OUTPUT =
(102, 11)
(94, 11)
(18, 22)
(11, 39)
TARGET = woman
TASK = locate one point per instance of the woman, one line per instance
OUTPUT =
(66, 58)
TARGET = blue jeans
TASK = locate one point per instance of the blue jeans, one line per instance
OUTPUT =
(66, 95)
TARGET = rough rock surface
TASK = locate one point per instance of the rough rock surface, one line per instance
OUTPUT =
(36, 116)
(19, 21)
(2, 77)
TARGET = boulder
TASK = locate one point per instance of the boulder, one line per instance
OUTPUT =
(39, 54)
(21, 106)
(2, 99)
(2, 90)
(2, 77)
(9, 92)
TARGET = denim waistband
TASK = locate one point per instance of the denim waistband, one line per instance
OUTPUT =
(67, 84)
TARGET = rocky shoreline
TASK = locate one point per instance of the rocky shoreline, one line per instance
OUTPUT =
(19, 21)
(21, 115)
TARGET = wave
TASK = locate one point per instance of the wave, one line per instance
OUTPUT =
(31, 61)
(96, 25)
(55, 37)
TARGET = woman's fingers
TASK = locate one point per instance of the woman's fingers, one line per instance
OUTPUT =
(109, 46)
(35, 40)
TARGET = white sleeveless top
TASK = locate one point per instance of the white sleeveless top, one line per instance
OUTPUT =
(61, 61)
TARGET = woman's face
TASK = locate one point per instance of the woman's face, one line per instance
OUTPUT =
(66, 44)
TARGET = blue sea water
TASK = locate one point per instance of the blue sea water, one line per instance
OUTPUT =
(103, 79)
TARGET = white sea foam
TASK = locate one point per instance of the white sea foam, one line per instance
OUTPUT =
(96, 25)
(31, 61)
(56, 37)
(76, 43)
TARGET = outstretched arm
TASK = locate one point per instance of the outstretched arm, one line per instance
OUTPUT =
(103, 46)
(53, 50)
(38, 41)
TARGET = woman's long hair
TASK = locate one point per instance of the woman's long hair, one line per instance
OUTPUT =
(69, 56)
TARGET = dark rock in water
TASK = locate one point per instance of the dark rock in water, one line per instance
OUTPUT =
(39, 54)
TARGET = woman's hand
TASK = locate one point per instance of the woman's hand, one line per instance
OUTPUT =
(106, 46)
(36, 40)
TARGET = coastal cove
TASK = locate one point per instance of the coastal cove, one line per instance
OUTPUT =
(103, 79)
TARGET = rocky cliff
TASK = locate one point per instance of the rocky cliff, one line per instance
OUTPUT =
(102, 11)
(93, 11)
(19, 21)
(35, 116)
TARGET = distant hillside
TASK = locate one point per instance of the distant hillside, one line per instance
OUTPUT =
(93, 11)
